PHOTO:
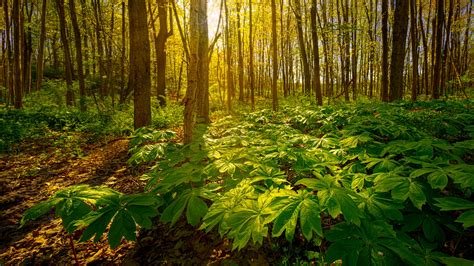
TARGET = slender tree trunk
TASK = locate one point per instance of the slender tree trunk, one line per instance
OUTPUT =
(384, 93)
(241, 56)
(8, 74)
(139, 77)
(67, 52)
(202, 95)
(302, 46)
(316, 70)
(124, 92)
(230, 74)
(251, 70)
(79, 59)
(39, 61)
(436, 86)
(16, 54)
(414, 49)
(274, 58)
(190, 98)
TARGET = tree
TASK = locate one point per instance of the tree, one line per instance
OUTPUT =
(438, 41)
(399, 36)
(274, 59)
(79, 59)
(139, 77)
(66, 50)
(39, 60)
(414, 49)
(316, 70)
(384, 93)
(190, 97)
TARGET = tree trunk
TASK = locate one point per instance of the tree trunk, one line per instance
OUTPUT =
(17, 54)
(8, 61)
(399, 36)
(79, 59)
(251, 70)
(414, 49)
(241, 56)
(316, 70)
(438, 49)
(302, 46)
(230, 74)
(39, 61)
(139, 77)
(67, 52)
(160, 41)
(274, 58)
(202, 94)
(385, 51)
(190, 98)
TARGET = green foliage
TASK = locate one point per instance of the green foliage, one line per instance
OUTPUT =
(95, 208)
(366, 183)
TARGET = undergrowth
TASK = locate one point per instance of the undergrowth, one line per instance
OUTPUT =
(367, 183)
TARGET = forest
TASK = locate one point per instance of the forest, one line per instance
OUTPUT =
(236, 132)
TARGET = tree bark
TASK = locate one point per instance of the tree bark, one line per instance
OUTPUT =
(302, 46)
(190, 97)
(79, 59)
(316, 70)
(274, 58)
(414, 49)
(385, 81)
(251, 70)
(17, 74)
(438, 49)
(67, 52)
(202, 94)
(139, 77)
(399, 36)
(39, 60)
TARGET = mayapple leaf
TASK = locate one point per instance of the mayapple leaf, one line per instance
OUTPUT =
(196, 209)
(467, 219)
(453, 204)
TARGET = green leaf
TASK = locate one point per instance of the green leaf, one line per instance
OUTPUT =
(467, 219)
(38, 210)
(453, 204)
(417, 196)
(123, 225)
(172, 213)
(453, 261)
(196, 209)
(310, 219)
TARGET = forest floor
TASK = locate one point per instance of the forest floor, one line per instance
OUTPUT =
(40, 167)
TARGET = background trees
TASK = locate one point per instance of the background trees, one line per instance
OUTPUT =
(339, 48)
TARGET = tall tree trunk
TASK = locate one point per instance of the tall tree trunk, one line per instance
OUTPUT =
(438, 51)
(399, 36)
(202, 95)
(39, 61)
(79, 59)
(385, 51)
(414, 49)
(241, 56)
(302, 46)
(67, 52)
(251, 70)
(17, 54)
(160, 41)
(230, 74)
(190, 98)
(27, 45)
(124, 92)
(8, 71)
(139, 77)
(274, 58)
(354, 14)
(316, 70)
